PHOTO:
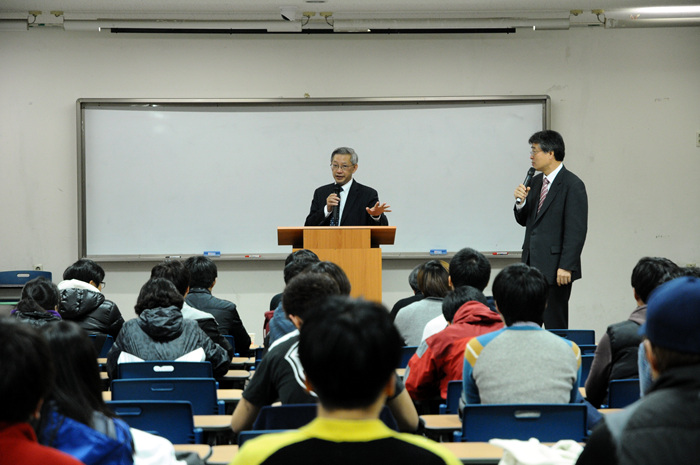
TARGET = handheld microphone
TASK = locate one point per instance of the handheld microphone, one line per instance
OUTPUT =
(336, 208)
(526, 183)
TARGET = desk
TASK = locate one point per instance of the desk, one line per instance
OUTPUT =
(229, 396)
(202, 450)
(222, 455)
(214, 423)
(242, 361)
(237, 375)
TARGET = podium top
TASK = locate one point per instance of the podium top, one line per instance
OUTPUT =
(295, 235)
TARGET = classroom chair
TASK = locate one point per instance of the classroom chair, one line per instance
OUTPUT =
(579, 336)
(454, 392)
(546, 422)
(11, 284)
(293, 416)
(622, 392)
(586, 361)
(587, 348)
(200, 392)
(102, 343)
(406, 354)
(172, 420)
(164, 369)
(231, 341)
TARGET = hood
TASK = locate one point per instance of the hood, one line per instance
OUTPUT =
(161, 323)
(78, 298)
(475, 313)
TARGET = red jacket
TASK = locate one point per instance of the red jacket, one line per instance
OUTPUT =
(440, 358)
(19, 446)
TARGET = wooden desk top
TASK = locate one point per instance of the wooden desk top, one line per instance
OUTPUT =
(441, 422)
(213, 422)
(237, 375)
(222, 455)
(203, 450)
(227, 395)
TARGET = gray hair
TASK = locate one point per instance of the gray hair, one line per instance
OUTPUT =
(345, 151)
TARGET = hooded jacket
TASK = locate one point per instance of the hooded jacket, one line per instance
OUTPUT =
(86, 305)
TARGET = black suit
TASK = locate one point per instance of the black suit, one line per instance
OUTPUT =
(554, 238)
(354, 212)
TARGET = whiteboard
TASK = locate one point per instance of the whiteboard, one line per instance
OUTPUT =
(160, 178)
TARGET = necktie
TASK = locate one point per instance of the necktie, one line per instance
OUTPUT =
(335, 216)
(543, 194)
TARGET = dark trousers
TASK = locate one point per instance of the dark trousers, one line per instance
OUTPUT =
(556, 315)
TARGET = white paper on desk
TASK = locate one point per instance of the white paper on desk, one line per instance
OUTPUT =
(533, 452)
(196, 355)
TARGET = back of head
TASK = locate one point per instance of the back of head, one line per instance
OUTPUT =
(27, 370)
(349, 350)
(77, 391)
(550, 141)
(520, 292)
(176, 272)
(673, 323)
(470, 268)
(335, 272)
(85, 270)
(202, 270)
(302, 294)
(651, 272)
(297, 262)
(433, 278)
(39, 294)
(413, 279)
(454, 300)
(158, 293)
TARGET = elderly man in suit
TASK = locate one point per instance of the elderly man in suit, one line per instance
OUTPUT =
(354, 203)
(555, 217)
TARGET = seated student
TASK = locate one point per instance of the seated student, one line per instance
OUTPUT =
(27, 377)
(663, 426)
(82, 300)
(39, 303)
(417, 294)
(440, 358)
(349, 351)
(521, 363)
(74, 418)
(161, 333)
(616, 353)
(433, 281)
(177, 273)
(203, 273)
(279, 377)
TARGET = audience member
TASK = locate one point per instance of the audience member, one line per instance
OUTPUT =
(82, 300)
(297, 254)
(176, 272)
(27, 378)
(161, 333)
(433, 281)
(440, 358)
(616, 353)
(468, 267)
(38, 304)
(203, 274)
(417, 295)
(74, 417)
(343, 342)
(663, 426)
(280, 324)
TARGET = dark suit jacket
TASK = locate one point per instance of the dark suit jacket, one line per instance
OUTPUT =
(554, 238)
(354, 213)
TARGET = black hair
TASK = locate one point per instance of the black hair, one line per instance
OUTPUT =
(38, 294)
(651, 272)
(413, 279)
(520, 292)
(77, 392)
(345, 341)
(669, 358)
(176, 272)
(85, 270)
(297, 262)
(300, 254)
(550, 141)
(158, 293)
(469, 267)
(454, 300)
(302, 294)
(27, 370)
(433, 278)
(202, 270)
(691, 271)
(334, 272)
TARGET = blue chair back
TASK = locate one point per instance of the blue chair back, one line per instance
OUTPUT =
(200, 392)
(293, 416)
(164, 369)
(622, 392)
(244, 436)
(587, 348)
(586, 361)
(454, 392)
(19, 278)
(579, 336)
(546, 422)
(102, 344)
(406, 354)
(172, 420)
(231, 341)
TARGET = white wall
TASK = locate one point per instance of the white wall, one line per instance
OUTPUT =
(626, 101)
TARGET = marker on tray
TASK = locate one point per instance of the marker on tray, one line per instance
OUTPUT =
(252, 256)
(438, 251)
(212, 253)
(500, 253)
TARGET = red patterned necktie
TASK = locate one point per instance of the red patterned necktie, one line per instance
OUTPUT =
(543, 194)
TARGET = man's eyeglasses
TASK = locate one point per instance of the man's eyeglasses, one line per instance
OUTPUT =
(336, 167)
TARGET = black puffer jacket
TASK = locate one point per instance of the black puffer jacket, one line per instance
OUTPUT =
(226, 316)
(36, 318)
(89, 309)
(163, 334)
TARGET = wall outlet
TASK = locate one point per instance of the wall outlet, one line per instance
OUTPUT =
(38, 267)
(697, 139)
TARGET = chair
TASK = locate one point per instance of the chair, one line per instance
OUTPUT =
(102, 343)
(406, 354)
(293, 416)
(454, 392)
(172, 420)
(586, 361)
(11, 284)
(546, 422)
(579, 336)
(164, 369)
(243, 436)
(587, 348)
(200, 392)
(231, 341)
(622, 392)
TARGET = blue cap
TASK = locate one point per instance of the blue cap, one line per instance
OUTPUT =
(673, 315)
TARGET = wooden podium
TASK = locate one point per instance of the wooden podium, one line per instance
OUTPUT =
(354, 248)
